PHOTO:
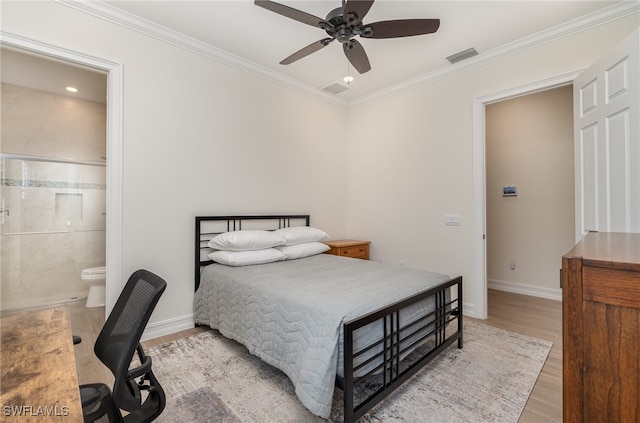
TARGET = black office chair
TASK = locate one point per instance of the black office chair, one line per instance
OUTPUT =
(117, 342)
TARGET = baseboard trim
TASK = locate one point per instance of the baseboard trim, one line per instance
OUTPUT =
(534, 291)
(167, 327)
(469, 309)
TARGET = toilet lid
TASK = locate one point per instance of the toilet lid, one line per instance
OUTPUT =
(95, 271)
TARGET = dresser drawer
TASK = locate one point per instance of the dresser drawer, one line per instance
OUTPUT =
(615, 287)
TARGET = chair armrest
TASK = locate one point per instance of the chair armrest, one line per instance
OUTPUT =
(140, 370)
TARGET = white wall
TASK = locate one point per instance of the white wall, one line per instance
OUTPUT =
(529, 143)
(411, 155)
(200, 137)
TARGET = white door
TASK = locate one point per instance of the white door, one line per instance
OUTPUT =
(607, 142)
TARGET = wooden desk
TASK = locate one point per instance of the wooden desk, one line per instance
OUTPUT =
(39, 381)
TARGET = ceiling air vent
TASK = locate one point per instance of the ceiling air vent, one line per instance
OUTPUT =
(336, 88)
(464, 54)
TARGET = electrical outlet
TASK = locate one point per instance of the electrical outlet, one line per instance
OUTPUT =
(512, 264)
(380, 260)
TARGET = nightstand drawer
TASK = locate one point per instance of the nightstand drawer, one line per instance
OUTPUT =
(349, 248)
(361, 252)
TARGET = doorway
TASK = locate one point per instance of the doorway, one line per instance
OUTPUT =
(53, 179)
(113, 208)
(479, 159)
(530, 191)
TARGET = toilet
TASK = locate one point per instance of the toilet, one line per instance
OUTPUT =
(96, 278)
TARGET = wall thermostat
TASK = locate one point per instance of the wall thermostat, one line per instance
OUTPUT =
(510, 191)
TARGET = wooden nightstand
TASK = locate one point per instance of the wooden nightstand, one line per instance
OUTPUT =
(349, 248)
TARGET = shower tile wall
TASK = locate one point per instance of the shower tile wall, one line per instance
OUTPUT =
(56, 222)
(56, 228)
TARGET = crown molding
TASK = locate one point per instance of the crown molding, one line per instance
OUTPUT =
(600, 17)
(130, 21)
(119, 17)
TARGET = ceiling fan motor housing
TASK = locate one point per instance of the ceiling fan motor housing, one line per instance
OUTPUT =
(338, 28)
(342, 29)
(335, 17)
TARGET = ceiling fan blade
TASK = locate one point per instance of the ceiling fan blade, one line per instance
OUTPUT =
(294, 14)
(355, 11)
(401, 28)
(304, 52)
(357, 56)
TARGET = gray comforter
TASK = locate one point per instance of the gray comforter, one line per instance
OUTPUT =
(290, 313)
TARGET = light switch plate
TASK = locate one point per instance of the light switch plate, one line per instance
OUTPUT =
(452, 220)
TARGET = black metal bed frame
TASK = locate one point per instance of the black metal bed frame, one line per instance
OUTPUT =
(420, 339)
(234, 223)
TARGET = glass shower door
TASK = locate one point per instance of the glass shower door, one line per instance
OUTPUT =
(52, 226)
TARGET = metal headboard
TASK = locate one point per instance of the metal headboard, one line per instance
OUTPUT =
(208, 227)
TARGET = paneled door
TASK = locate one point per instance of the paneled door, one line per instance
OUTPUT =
(607, 141)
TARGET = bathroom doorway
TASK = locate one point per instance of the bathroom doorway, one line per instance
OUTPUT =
(54, 179)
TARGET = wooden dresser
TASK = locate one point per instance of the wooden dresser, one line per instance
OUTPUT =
(349, 248)
(601, 329)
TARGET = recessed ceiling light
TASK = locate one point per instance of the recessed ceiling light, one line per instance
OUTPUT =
(71, 89)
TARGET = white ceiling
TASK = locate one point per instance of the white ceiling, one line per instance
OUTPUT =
(46, 74)
(243, 29)
(238, 29)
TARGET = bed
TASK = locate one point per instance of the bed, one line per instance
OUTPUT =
(325, 320)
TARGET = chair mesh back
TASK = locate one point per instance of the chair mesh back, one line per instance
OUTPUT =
(102, 410)
(128, 322)
(121, 333)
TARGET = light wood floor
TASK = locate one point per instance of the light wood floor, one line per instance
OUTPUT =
(531, 316)
(540, 318)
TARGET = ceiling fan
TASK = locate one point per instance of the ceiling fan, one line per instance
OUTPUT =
(345, 23)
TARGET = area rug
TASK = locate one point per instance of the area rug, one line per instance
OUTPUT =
(208, 378)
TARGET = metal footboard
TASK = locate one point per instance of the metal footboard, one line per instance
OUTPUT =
(419, 339)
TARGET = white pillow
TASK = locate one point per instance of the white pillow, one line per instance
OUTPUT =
(299, 234)
(246, 240)
(306, 249)
(247, 258)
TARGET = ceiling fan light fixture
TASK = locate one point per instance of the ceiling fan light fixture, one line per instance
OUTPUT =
(462, 55)
(348, 79)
